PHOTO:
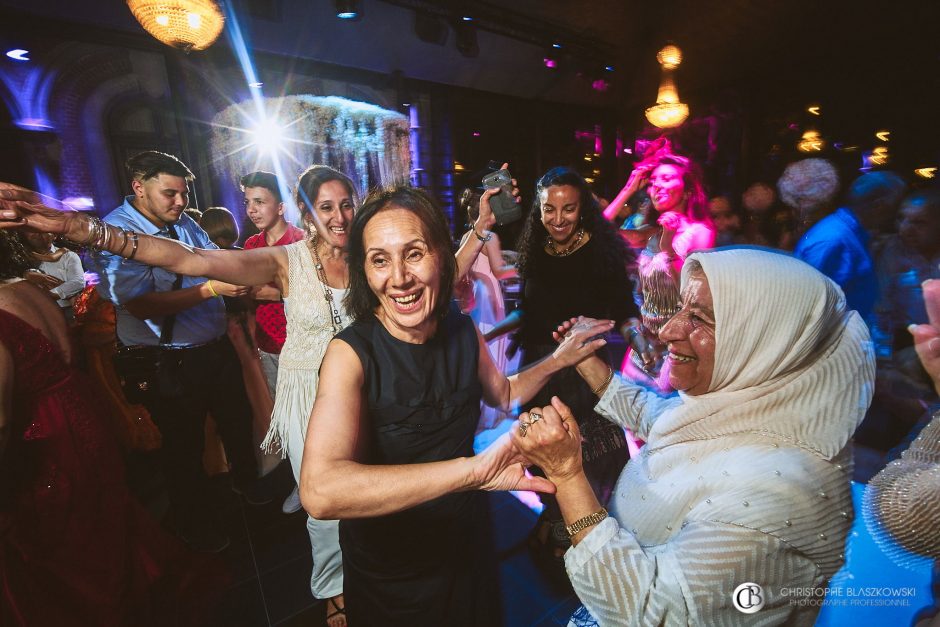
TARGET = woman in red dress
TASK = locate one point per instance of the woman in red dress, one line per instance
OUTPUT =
(75, 549)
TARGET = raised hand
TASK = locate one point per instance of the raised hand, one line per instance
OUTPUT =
(578, 339)
(927, 336)
(486, 220)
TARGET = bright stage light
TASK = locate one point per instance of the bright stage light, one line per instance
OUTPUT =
(18, 54)
(269, 136)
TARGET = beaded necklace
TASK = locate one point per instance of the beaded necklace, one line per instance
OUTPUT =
(336, 320)
(571, 247)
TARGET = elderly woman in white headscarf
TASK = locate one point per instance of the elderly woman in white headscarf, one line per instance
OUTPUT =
(739, 503)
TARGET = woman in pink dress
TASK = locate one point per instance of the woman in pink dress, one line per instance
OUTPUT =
(679, 226)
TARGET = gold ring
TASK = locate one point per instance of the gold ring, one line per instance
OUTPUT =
(523, 428)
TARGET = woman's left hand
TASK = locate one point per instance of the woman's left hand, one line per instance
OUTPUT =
(578, 338)
(550, 438)
(501, 467)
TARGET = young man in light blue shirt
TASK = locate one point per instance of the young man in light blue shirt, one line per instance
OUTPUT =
(184, 317)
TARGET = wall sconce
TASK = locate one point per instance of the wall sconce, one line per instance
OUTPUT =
(668, 110)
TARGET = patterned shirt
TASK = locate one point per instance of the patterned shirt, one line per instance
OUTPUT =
(271, 329)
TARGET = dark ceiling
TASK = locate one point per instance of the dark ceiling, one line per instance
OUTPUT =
(729, 42)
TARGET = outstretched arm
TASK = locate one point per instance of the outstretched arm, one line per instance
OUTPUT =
(21, 208)
(509, 392)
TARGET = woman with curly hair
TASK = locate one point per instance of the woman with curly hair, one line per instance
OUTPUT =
(572, 261)
(680, 225)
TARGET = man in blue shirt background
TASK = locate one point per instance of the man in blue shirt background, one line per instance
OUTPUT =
(185, 317)
(839, 244)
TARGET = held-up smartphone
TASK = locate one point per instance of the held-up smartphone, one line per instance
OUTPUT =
(504, 205)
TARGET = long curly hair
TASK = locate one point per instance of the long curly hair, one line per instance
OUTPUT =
(609, 250)
(696, 203)
(15, 260)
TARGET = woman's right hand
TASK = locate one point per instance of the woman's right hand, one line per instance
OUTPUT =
(639, 177)
(24, 209)
(486, 220)
(552, 442)
(927, 336)
(578, 339)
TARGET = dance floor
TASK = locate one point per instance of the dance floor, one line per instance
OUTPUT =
(269, 562)
(269, 559)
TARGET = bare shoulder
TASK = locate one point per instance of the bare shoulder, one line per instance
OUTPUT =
(34, 306)
(341, 365)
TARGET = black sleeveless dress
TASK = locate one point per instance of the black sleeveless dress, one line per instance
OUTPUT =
(432, 564)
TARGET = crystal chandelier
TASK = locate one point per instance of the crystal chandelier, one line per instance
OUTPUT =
(668, 111)
(184, 24)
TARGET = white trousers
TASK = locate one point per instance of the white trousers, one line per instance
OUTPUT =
(326, 581)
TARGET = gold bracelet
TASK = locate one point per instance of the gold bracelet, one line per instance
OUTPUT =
(211, 291)
(588, 521)
(600, 388)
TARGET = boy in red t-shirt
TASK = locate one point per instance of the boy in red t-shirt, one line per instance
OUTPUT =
(265, 208)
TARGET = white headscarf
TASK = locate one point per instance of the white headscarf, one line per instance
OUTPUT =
(790, 362)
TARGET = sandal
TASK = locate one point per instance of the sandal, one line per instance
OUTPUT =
(338, 611)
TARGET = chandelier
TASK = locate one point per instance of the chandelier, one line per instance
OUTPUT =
(668, 111)
(184, 24)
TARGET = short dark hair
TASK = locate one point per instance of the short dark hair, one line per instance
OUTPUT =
(218, 223)
(308, 185)
(151, 163)
(360, 300)
(267, 180)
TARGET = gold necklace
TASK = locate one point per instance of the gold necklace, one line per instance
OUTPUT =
(571, 247)
(336, 320)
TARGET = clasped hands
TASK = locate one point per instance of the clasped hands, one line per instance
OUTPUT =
(547, 437)
(552, 442)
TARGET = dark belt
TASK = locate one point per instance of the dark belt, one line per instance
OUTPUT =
(196, 347)
(176, 349)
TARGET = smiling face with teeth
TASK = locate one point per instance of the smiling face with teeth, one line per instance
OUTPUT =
(561, 212)
(667, 188)
(690, 335)
(404, 272)
(331, 214)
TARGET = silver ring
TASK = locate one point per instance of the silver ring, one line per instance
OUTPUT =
(534, 417)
